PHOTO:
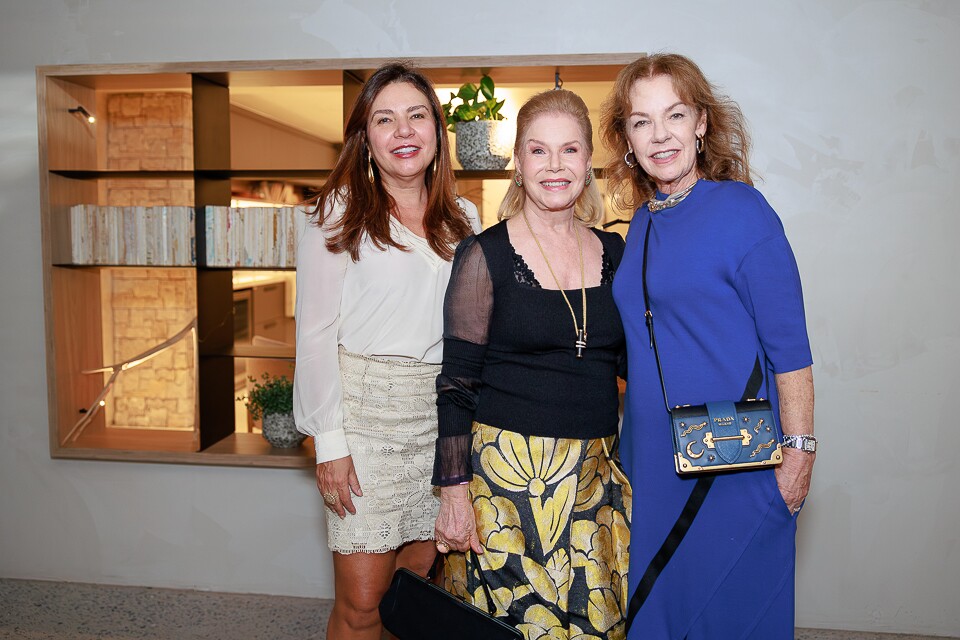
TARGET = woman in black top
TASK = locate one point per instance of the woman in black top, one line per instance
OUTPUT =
(528, 396)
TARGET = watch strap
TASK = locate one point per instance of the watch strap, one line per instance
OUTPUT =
(803, 442)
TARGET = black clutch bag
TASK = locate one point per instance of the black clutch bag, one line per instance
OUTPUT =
(415, 609)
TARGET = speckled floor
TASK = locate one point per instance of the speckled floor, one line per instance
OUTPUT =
(35, 610)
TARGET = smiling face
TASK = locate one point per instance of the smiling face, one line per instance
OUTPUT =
(401, 133)
(554, 160)
(662, 132)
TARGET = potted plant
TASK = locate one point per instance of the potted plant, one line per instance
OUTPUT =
(481, 142)
(271, 398)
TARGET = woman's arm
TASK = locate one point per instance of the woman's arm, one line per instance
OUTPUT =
(768, 283)
(468, 309)
(317, 392)
(795, 390)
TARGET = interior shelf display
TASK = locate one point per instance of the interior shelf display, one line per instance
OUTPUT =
(252, 236)
(170, 213)
(131, 236)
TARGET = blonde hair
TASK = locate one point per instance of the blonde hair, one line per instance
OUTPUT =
(726, 143)
(588, 208)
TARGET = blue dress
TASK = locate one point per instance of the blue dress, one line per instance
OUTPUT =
(724, 290)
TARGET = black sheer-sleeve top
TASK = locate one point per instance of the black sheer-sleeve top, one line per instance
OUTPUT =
(509, 359)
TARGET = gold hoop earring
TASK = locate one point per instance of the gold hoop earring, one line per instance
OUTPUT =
(699, 144)
(370, 175)
(626, 160)
(588, 179)
(518, 179)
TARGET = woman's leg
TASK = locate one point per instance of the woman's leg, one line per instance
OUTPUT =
(417, 556)
(360, 580)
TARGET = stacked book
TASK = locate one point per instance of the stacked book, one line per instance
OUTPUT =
(252, 236)
(128, 236)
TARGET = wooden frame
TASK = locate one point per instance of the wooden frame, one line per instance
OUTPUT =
(71, 166)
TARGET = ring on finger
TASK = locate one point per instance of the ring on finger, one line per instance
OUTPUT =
(331, 498)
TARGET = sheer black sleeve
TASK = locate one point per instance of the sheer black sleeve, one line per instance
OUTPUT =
(466, 325)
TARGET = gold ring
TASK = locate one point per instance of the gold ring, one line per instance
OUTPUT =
(331, 498)
(442, 546)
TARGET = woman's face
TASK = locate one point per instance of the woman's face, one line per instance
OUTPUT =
(554, 160)
(662, 133)
(401, 133)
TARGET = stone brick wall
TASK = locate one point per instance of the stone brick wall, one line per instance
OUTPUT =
(143, 308)
(149, 132)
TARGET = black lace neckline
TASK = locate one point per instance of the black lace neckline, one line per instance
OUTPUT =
(525, 276)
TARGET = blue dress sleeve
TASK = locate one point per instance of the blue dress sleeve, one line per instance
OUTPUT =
(768, 283)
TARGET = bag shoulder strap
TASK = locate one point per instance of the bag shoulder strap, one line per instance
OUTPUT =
(703, 483)
(648, 314)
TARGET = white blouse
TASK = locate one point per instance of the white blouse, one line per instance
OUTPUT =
(388, 304)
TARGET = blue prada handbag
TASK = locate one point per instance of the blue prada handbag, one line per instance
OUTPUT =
(718, 436)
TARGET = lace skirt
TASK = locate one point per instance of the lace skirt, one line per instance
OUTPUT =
(553, 515)
(390, 420)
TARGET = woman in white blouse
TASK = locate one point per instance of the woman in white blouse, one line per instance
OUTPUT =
(372, 271)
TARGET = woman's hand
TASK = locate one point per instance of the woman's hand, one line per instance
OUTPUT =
(336, 479)
(795, 389)
(456, 528)
(793, 477)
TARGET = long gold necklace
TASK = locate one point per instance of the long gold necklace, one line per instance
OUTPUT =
(581, 342)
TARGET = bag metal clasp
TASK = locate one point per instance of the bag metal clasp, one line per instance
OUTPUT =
(744, 438)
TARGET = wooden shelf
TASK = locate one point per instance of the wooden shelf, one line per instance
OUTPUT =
(275, 352)
(503, 174)
(252, 174)
(80, 174)
(254, 451)
(236, 450)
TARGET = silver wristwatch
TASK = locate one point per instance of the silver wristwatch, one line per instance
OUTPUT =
(804, 442)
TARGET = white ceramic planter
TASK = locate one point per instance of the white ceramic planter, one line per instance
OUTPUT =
(484, 144)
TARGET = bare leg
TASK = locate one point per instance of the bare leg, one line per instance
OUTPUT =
(417, 557)
(360, 580)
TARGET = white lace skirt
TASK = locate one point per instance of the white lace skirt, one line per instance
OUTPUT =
(390, 419)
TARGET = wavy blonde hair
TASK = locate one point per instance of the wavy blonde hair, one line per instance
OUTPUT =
(588, 208)
(726, 143)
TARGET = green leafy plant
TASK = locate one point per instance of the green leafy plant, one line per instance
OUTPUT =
(476, 103)
(272, 395)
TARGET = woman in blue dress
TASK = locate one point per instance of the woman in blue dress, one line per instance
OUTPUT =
(710, 557)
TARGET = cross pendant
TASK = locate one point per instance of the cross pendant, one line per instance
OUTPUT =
(581, 342)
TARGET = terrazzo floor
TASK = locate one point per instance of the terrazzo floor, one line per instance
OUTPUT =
(36, 610)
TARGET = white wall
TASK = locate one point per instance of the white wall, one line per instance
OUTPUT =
(853, 107)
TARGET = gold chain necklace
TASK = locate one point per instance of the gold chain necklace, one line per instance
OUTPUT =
(670, 201)
(581, 342)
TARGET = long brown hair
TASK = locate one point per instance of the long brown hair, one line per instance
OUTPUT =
(368, 206)
(726, 143)
(588, 208)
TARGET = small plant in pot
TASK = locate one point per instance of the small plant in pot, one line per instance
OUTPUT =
(271, 398)
(481, 142)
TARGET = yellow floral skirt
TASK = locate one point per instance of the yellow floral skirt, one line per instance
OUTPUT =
(553, 515)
